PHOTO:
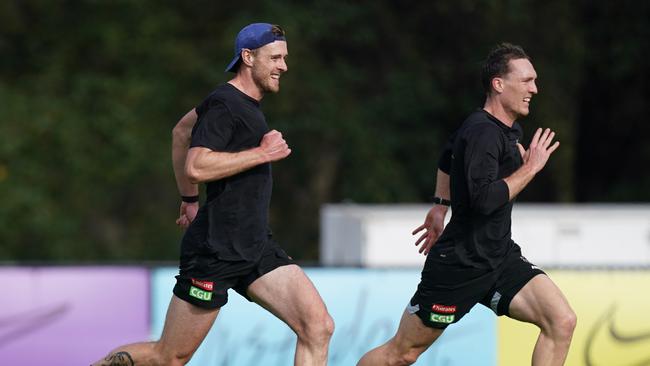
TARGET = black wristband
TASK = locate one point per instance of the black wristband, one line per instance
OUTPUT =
(441, 201)
(190, 199)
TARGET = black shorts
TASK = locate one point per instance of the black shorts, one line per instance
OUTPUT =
(204, 279)
(449, 289)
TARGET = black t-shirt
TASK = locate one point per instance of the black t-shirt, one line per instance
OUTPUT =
(478, 156)
(237, 206)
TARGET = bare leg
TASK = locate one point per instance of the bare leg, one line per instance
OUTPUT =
(411, 340)
(185, 328)
(288, 294)
(542, 303)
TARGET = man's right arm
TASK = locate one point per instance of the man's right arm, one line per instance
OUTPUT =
(434, 221)
(205, 165)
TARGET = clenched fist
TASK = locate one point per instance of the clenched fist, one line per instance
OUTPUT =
(274, 147)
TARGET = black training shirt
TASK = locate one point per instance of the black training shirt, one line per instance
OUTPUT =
(478, 156)
(237, 206)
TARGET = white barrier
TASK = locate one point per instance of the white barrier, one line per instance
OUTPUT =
(549, 234)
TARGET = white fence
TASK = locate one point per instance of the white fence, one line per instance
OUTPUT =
(549, 234)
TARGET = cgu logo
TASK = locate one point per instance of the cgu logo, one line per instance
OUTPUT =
(200, 294)
(437, 318)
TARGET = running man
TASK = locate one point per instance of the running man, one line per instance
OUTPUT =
(474, 260)
(226, 143)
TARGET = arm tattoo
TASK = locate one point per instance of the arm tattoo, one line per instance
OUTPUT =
(120, 359)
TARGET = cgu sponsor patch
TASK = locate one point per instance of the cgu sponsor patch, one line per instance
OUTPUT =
(200, 294)
(440, 318)
(206, 285)
(443, 309)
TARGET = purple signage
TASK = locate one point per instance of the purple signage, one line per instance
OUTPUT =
(70, 315)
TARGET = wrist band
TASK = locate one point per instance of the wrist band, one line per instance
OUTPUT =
(190, 199)
(441, 201)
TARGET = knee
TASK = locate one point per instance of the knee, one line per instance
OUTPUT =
(164, 355)
(406, 357)
(323, 328)
(178, 359)
(562, 325)
(318, 329)
(566, 324)
(328, 326)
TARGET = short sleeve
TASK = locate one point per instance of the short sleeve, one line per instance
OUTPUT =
(444, 163)
(214, 128)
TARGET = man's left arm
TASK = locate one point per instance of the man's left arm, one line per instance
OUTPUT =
(481, 164)
(181, 136)
(534, 158)
(487, 193)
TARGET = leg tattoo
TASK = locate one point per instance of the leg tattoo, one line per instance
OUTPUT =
(120, 359)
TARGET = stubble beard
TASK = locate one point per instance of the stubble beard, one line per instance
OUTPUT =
(263, 83)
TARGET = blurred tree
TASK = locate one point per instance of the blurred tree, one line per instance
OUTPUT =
(612, 146)
(90, 91)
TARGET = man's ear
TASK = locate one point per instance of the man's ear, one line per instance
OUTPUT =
(497, 85)
(247, 57)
